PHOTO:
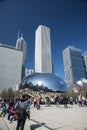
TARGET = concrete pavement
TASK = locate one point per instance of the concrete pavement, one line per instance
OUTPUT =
(53, 118)
(60, 118)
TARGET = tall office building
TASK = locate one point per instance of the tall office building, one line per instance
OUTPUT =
(29, 71)
(10, 66)
(43, 60)
(85, 64)
(73, 65)
(22, 46)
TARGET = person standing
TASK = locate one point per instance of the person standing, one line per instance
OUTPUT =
(57, 101)
(65, 101)
(80, 100)
(23, 107)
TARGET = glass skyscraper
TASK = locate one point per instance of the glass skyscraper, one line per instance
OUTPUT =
(43, 60)
(85, 64)
(73, 65)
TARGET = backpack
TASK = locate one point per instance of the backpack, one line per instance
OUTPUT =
(21, 113)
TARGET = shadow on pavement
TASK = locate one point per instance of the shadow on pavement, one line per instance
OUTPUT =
(34, 126)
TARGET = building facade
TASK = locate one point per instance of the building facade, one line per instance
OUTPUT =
(73, 65)
(85, 64)
(22, 46)
(11, 68)
(29, 72)
(43, 60)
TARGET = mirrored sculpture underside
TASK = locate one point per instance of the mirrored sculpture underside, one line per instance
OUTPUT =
(45, 82)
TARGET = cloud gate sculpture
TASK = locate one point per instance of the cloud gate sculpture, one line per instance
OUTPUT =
(44, 81)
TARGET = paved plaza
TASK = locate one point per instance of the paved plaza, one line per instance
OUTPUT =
(53, 118)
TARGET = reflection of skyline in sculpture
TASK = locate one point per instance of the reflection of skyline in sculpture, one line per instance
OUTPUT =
(44, 81)
(82, 82)
(80, 86)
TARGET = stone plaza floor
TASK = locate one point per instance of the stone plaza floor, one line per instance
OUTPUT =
(52, 118)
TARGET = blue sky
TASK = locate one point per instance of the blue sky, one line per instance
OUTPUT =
(67, 20)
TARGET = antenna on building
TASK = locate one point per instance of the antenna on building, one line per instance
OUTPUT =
(18, 34)
(22, 35)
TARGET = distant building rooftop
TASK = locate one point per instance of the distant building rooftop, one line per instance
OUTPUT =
(8, 46)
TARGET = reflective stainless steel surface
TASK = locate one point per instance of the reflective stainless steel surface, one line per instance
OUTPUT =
(44, 81)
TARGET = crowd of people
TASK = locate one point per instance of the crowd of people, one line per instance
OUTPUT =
(18, 109)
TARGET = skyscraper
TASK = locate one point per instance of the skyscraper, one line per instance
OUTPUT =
(22, 46)
(43, 60)
(73, 65)
(85, 64)
(10, 66)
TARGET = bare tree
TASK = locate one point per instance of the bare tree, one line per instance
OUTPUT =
(3, 94)
(10, 93)
(17, 93)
